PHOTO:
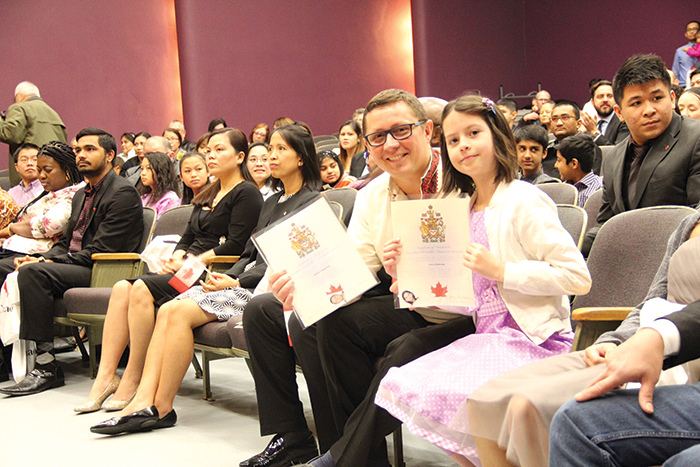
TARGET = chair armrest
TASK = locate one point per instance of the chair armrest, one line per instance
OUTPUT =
(224, 259)
(618, 313)
(115, 256)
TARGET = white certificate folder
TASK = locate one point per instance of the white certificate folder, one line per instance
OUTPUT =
(434, 235)
(313, 246)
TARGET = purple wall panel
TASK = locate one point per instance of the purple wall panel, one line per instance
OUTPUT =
(103, 63)
(251, 62)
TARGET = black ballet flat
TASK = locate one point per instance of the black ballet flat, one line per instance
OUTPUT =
(143, 420)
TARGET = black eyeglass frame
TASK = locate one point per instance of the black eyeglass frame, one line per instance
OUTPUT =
(391, 131)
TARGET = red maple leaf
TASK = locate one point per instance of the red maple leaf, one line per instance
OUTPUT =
(439, 290)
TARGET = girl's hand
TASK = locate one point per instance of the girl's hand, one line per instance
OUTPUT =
(390, 256)
(172, 265)
(595, 354)
(282, 288)
(217, 281)
(480, 260)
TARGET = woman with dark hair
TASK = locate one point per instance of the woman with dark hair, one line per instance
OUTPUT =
(38, 225)
(217, 124)
(352, 149)
(294, 164)
(159, 188)
(194, 175)
(127, 141)
(689, 103)
(131, 165)
(201, 145)
(259, 167)
(260, 133)
(332, 172)
(224, 215)
(175, 139)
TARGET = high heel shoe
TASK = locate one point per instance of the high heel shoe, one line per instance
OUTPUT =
(113, 406)
(93, 406)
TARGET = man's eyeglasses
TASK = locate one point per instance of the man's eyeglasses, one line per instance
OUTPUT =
(399, 133)
(563, 118)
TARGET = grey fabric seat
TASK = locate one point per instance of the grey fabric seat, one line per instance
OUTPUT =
(592, 206)
(561, 193)
(573, 219)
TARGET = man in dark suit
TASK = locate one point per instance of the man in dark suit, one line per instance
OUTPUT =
(660, 163)
(606, 129)
(106, 216)
(667, 426)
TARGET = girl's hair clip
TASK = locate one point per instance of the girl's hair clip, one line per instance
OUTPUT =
(489, 104)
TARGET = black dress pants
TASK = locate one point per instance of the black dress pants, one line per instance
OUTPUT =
(350, 341)
(39, 284)
(273, 364)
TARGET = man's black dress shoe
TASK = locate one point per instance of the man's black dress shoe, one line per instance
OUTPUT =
(279, 453)
(143, 420)
(40, 379)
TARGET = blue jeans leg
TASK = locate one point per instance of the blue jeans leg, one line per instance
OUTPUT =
(688, 458)
(614, 431)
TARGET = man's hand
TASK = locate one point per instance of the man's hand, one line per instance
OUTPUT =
(217, 281)
(639, 359)
(19, 262)
(595, 354)
(282, 288)
(588, 123)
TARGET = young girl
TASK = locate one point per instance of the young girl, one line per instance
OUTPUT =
(224, 215)
(194, 175)
(352, 149)
(294, 167)
(332, 172)
(523, 264)
(158, 184)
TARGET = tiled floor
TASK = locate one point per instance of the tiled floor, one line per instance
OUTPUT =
(42, 429)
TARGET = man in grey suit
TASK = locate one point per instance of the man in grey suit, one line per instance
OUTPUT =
(606, 129)
(660, 163)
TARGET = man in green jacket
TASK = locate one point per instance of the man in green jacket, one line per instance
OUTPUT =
(29, 120)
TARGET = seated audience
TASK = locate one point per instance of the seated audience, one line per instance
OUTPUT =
(175, 140)
(515, 323)
(660, 163)
(152, 144)
(604, 125)
(194, 175)
(260, 133)
(106, 218)
(565, 122)
(201, 145)
(259, 168)
(221, 297)
(186, 145)
(159, 187)
(541, 97)
(546, 118)
(575, 156)
(281, 121)
(689, 103)
(511, 414)
(127, 143)
(433, 109)
(352, 149)
(226, 209)
(530, 144)
(133, 165)
(216, 124)
(509, 109)
(332, 172)
(38, 226)
(29, 186)
(358, 115)
(694, 78)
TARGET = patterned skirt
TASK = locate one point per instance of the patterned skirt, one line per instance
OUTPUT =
(222, 303)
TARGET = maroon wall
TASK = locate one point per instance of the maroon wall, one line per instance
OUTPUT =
(465, 46)
(470, 44)
(251, 62)
(108, 64)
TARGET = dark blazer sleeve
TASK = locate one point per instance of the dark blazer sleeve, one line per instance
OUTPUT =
(116, 226)
(687, 321)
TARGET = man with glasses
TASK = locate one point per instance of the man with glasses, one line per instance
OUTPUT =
(566, 116)
(338, 355)
(682, 62)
